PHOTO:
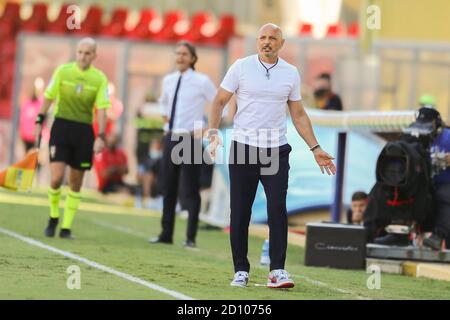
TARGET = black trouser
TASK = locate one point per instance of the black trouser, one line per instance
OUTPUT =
(244, 180)
(442, 218)
(186, 173)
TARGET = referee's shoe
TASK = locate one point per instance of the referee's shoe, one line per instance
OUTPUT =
(66, 234)
(51, 228)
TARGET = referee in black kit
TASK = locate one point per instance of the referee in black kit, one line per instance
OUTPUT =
(263, 83)
(183, 99)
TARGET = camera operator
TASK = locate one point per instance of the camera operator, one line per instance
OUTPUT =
(440, 162)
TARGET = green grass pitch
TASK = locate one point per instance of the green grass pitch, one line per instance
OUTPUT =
(119, 241)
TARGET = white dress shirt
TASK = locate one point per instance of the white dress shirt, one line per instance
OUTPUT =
(194, 91)
(260, 119)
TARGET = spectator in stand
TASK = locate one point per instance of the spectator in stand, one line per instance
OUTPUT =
(428, 116)
(28, 114)
(324, 97)
(111, 165)
(149, 125)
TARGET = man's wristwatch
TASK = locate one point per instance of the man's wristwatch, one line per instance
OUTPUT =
(40, 118)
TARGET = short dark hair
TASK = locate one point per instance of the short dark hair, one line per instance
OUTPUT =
(324, 75)
(359, 195)
(191, 49)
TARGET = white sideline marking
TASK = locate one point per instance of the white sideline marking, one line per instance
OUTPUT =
(126, 230)
(119, 228)
(307, 279)
(326, 285)
(96, 265)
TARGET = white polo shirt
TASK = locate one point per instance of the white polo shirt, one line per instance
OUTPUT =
(260, 119)
(195, 90)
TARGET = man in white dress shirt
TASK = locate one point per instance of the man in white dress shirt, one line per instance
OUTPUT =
(184, 95)
(263, 83)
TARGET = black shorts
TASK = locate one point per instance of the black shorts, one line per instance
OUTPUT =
(72, 143)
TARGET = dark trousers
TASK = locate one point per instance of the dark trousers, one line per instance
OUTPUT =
(442, 218)
(244, 180)
(184, 177)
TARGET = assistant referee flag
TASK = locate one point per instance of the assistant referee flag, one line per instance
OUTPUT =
(19, 176)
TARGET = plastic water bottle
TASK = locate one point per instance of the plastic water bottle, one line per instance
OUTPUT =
(265, 258)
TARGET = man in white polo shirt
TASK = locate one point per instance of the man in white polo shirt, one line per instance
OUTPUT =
(263, 83)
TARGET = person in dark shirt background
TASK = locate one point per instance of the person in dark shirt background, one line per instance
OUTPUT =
(111, 165)
(355, 215)
(149, 132)
(324, 97)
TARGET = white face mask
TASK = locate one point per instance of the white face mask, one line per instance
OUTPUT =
(155, 154)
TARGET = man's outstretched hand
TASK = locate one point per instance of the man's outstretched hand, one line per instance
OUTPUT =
(324, 160)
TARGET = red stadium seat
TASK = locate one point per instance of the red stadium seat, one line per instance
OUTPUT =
(116, 27)
(194, 34)
(38, 20)
(142, 29)
(305, 29)
(353, 29)
(59, 26)
(335, 30)
(167, 32)
(225, 32)
(9, 24)
(10, 20)
(8, 29)
(11, 12)
(92, 24)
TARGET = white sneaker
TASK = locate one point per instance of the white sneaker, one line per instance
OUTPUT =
(279, 279)
(240, 279)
